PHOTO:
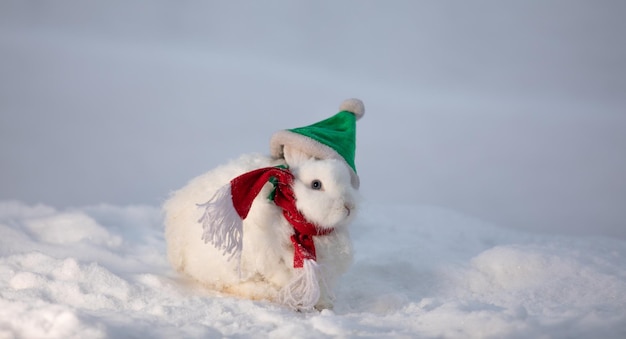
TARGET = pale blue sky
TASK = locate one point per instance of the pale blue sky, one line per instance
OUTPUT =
(512, 112)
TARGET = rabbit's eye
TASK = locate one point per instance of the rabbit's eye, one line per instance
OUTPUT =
(316, 184)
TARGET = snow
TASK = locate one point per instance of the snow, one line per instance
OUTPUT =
(100, 271)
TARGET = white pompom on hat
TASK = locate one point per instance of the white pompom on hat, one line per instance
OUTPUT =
(353, 106)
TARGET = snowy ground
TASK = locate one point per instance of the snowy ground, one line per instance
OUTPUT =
(100, 271)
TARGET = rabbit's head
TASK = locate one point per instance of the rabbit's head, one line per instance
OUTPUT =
(324, 194)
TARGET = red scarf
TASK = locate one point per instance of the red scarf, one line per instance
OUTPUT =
(246, 187)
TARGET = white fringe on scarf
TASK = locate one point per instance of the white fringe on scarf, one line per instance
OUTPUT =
(221, 224)
(303, 291)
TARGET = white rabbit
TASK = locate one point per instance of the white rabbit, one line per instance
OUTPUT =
(261, 264)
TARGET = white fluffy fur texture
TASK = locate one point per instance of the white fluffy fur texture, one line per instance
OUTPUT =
(267, 255)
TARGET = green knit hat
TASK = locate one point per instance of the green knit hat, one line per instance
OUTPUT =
(333, 138)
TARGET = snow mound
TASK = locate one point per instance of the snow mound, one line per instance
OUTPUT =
(101, 272)
(65, 228)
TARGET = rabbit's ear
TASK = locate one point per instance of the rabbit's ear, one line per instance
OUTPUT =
(294, 156)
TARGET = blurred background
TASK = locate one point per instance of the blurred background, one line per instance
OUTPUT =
(513, 112)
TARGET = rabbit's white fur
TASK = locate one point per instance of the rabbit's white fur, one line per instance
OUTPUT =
(267, 257)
